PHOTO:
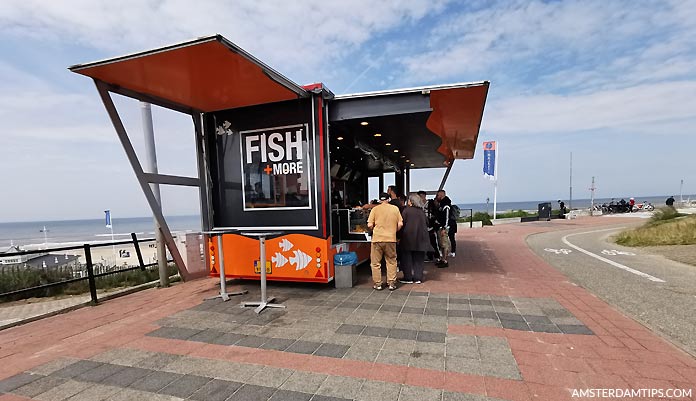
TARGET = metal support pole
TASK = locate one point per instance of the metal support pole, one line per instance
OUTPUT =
(444, 178)
(90, 275)
(223, 281)
(140, 174)
(224, 295)
(150, 150)
(495, 181)
(570, 200)
(592, 189)
(137, 251)
(266, 302)
(262, 261)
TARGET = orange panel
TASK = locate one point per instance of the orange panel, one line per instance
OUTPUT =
(207, 76)
(292, 257)
(456, 118)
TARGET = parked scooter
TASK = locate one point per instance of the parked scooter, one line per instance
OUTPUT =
(645, 206)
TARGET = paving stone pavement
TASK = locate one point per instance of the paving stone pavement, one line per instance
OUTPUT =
(498, 324)
(413, 326)
(71, 379)
(16, 313)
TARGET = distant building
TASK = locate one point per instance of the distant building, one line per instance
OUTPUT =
(16, 259)
(37, 260)
(52, 261)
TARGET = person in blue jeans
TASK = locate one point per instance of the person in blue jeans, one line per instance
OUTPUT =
(414, 240)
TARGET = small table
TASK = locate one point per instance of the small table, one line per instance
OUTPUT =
(266, 302)
(223, 284)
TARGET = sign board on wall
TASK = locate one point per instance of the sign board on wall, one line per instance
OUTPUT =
(276, 168)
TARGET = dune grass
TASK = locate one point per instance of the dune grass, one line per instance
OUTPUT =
(667, 227)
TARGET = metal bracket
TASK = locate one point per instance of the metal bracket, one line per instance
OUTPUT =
(142, 177)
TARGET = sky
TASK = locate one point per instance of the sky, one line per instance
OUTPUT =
(613, 82)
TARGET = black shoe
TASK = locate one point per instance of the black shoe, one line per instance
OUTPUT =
(442, 264)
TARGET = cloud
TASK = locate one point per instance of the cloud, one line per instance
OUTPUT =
(639, 109)
(574, 44)
(291, 36)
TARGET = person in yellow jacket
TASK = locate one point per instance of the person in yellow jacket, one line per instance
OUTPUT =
(384, 221)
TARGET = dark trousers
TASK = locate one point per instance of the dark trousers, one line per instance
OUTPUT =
(412, 265)
(451, 233)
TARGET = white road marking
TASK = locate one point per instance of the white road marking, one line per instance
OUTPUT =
(614, 252)
(605, 260)
(558, 251)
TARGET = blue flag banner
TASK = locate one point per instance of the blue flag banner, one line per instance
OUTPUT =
(489, 159)
(107, 214)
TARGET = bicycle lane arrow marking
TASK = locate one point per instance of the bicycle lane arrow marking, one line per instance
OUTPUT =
(605, 260)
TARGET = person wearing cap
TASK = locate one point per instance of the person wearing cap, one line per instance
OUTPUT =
(384, 221)
(631, 204)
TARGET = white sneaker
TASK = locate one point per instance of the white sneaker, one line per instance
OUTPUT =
(452, 254)
(418, 282)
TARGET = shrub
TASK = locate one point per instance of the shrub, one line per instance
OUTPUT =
(664, 214)
(671, 231)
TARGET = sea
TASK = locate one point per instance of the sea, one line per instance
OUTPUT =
(81, 231)
(657, 201)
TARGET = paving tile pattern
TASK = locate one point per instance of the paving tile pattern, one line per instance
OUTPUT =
(73, 381)
(406, 328)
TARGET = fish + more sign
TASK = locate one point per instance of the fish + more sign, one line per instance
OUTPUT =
(276, 167)
(281, 148)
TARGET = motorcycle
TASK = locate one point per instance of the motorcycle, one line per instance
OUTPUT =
(645, 206)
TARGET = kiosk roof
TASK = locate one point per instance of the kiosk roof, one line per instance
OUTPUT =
(430, 125)
(434, 124)
(202, 75)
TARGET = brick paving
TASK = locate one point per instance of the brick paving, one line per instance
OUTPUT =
(16, 313)
(499, 324)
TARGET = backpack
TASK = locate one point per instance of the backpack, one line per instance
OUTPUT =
(455, 212)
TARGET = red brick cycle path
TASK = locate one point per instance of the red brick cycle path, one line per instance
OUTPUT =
(494, 260)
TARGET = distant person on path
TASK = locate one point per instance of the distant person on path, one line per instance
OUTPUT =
(670, 202)
(561, 207)
(384, 221)
(414, 240)
(631, 204)
(447, 222)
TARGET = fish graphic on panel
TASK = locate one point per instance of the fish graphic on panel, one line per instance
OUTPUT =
(279, 259)
(300, 260)
(285, 245)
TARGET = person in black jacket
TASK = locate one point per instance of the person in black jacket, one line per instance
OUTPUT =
(447, 220)
(670, 202)
(414, 240)
(430, 208)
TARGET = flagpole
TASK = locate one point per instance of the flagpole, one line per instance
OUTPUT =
(113, 247)
(495, 180)
(110, 225)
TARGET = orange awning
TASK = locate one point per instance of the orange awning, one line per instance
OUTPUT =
(456, 118)
(204, 75)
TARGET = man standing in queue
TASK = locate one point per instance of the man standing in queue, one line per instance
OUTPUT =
(384, 221)
(447, 220)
